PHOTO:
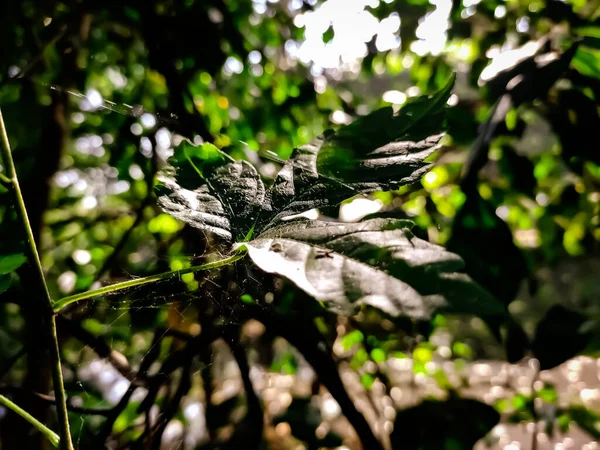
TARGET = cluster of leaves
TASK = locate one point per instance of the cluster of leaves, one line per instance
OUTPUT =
(376, 262)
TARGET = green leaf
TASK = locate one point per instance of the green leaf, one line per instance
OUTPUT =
(558, 337)
(5, 282)
(10, 263)
(328, 35)
(377, 262)
(587, 420)
(587, 62)
(458, 424)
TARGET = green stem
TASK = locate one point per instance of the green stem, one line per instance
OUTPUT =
(44, 306)
(50, 435)
(5, 180)
(60, 304)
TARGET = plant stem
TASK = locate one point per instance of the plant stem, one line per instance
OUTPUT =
(44, 306)
(60, 304)
(47, 432)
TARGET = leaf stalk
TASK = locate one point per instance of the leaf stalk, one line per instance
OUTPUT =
(112, 288)
(47, 432)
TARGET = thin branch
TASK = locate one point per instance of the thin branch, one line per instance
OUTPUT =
(116, 411)
(37, 58)
(101, 348)
(48, 399)
(47, 432)
(44, 305)
(60, 304)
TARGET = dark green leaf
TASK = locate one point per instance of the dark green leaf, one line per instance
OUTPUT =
(558, 337)
(380, 151)
(328, 35)
(10, 263)
(587, 420)
(454, 424)
(5, 282)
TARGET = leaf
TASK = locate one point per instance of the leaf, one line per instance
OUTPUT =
(587, 62)
(485, 242)
(384, 150)
(10, 263)
(377, 262)
(453, 424)
(209, 191)
(558, 337)
(587, 420)
(380, 151)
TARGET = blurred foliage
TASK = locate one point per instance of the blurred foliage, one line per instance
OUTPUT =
(96, 95)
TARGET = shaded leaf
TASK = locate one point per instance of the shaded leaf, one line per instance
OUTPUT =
(377, 262)
(485, 243)
(5, 282)
(558, 337)
(453, 424)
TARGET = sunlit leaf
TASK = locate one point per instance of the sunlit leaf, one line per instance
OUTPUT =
(378, 262)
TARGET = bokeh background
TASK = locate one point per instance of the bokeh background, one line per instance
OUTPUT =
(96, 95)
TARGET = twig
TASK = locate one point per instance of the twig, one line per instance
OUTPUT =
(254, 414)
(47, 432)
(534, 441)
(60, 304)
(101, 348)
(116, 411)
(44, 306)
(32, 63)
(52, 401)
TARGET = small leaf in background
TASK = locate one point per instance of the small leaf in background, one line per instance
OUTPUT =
(558, 337)
(10, 263)
(5, 282)
(304, 418)
(588, 421)
(454, 424)
(328, 35)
